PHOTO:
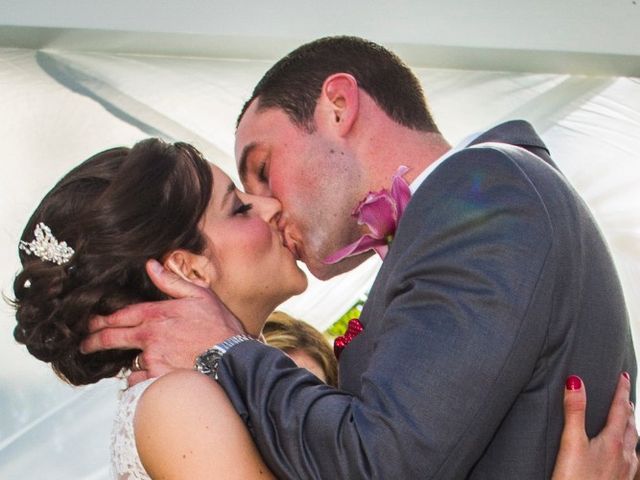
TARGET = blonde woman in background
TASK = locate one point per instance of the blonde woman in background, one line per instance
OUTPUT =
(304, 344)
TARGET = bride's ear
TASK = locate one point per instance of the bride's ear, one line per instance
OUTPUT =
(191, 267)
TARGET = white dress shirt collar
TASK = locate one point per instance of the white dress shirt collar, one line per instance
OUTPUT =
(427, 171)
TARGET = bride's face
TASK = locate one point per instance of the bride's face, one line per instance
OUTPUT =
(246, 252)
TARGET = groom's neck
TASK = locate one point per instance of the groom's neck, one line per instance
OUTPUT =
(403, 146)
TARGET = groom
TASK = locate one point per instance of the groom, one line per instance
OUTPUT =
(497, 285)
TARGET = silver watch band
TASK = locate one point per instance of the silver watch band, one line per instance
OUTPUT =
(209, 361)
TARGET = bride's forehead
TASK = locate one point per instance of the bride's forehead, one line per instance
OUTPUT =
(222, 186)
(220, 178)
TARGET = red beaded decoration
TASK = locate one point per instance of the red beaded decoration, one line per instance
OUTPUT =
(353, 330)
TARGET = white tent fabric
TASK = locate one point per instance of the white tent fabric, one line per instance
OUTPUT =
(58, 107)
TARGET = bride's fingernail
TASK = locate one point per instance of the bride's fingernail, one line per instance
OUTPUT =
(626, 375)
(573, 383)
(155, 266)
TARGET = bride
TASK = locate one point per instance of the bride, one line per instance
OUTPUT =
(83, 254)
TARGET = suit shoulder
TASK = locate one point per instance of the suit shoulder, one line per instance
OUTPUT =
(484, 175)
(495, 155)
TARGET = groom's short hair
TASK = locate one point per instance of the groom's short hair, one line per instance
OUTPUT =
(294, 83)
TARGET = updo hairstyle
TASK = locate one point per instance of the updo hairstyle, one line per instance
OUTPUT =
(117, 209)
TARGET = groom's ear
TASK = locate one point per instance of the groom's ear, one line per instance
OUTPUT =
(191, 267)
(339, 102)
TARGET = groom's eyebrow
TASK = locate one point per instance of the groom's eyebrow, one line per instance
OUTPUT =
(244, 158)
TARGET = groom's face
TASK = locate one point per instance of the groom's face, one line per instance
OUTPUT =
(311, 176)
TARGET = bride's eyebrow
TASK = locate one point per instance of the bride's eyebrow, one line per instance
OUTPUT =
(227, 195)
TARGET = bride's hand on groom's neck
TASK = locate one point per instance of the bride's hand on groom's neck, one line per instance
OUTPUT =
(170, 333)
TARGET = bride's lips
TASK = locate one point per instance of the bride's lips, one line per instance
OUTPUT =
(296, 253)
(291, 246)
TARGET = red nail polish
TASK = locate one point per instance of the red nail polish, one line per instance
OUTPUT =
(573, 383)
(626, 375)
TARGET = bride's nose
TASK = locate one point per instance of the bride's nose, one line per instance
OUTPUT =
(268, 208)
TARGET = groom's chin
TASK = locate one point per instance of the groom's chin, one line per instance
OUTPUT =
(323, 271)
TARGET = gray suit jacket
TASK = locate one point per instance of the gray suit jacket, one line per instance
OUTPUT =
(498, 285)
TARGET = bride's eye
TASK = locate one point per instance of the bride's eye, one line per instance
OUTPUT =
(242, 208)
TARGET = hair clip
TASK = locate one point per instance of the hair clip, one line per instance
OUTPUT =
(46, 247)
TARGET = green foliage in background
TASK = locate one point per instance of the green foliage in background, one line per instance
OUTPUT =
(340, 326)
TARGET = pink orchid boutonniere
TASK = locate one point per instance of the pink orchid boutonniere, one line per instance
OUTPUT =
(380, 212)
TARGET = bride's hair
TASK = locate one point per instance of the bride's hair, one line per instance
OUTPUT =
(116, 210)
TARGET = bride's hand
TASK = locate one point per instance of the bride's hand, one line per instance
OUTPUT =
(170, 333)
(611, 455)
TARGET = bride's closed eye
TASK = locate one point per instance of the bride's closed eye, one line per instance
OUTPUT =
(242, 208)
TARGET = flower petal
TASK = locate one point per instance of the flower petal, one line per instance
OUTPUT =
(354, 327)
(400, 191)
(338, 345)
(378, 212)
(363, 244)
(382, 250)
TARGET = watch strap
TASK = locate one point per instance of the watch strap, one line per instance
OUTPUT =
(209, 361)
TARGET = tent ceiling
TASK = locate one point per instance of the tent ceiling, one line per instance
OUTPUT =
(579, 36)
(590, 123)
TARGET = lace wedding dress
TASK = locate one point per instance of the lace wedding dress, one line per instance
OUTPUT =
(125, 461)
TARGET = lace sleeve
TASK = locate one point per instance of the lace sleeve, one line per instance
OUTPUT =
(125, 462)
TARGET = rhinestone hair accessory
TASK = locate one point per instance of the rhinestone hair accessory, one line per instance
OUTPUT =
(46, 247)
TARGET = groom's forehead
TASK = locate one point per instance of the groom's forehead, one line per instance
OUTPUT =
(243, 159)
(260, 120)
(246, 140)
(252, 128)
(261, 128)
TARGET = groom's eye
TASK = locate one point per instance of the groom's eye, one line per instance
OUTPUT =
(262, 173)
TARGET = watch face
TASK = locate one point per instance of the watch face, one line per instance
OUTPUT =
(211, 355)
(208, 362)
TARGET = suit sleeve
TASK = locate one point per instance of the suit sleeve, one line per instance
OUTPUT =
(460, 320)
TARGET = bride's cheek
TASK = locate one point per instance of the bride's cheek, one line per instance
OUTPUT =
(259, 237)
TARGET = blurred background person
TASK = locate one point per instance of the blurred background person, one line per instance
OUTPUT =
(306, 346)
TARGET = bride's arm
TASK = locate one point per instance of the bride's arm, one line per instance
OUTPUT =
(185, 428)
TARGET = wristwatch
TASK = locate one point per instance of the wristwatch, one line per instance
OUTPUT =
(209, 362)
